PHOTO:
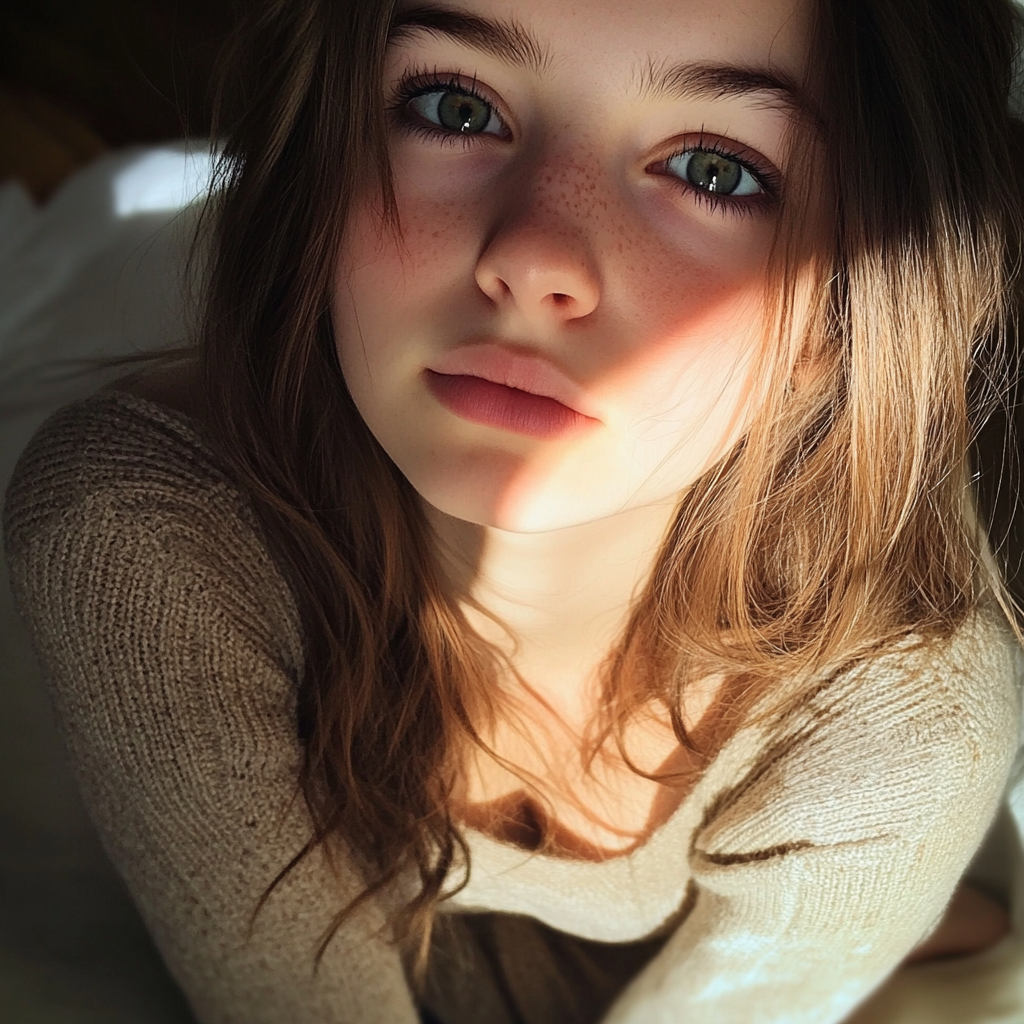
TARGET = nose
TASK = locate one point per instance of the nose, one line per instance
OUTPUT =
(538, 264)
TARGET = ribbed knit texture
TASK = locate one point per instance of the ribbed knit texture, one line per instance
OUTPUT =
(811, 857)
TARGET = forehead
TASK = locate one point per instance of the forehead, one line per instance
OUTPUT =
(630, 37)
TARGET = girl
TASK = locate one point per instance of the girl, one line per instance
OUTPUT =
(550, 590)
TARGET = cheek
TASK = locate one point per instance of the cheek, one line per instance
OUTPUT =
(436, 233)
(387, 287)
(692, 305)
(382, 266)
(681, 266)
(443, 218)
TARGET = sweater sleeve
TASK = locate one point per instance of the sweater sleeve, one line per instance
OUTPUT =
(171, 644)
(819, 872)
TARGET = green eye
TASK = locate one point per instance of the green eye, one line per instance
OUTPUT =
(463, 113)
(708, 171)
(455, 111)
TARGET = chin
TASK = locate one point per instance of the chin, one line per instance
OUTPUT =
(513, 503)
(493, 509)
(525, 490)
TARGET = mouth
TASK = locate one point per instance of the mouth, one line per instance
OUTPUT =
(496, 405)
(509, 389)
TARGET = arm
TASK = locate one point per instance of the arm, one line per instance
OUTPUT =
(817, 874)
(173, 650)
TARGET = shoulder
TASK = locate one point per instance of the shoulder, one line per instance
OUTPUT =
(114, 444)
(951, 706)
(119, 507)
(916, 740)
(962, 690)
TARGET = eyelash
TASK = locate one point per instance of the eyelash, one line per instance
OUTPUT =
(418, 82)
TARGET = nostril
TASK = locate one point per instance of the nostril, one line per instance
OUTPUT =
(560, 298)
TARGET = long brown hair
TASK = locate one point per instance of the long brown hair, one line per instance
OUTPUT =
(839, 525)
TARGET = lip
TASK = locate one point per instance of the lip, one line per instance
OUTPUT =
(514, 368)
(519, 392)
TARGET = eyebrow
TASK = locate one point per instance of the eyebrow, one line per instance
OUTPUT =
(703, 79)
(505, 39)
(514, 44)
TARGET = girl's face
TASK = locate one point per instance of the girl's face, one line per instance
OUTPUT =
(587, 194)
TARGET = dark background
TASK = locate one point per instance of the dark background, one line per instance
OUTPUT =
(78, 77)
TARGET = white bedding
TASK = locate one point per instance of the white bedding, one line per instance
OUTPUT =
(98, 272)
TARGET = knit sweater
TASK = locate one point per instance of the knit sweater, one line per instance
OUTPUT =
(815, 851)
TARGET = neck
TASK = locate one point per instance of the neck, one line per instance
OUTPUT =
(553, 603)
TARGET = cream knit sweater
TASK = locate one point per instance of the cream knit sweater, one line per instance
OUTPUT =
(812, 856)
